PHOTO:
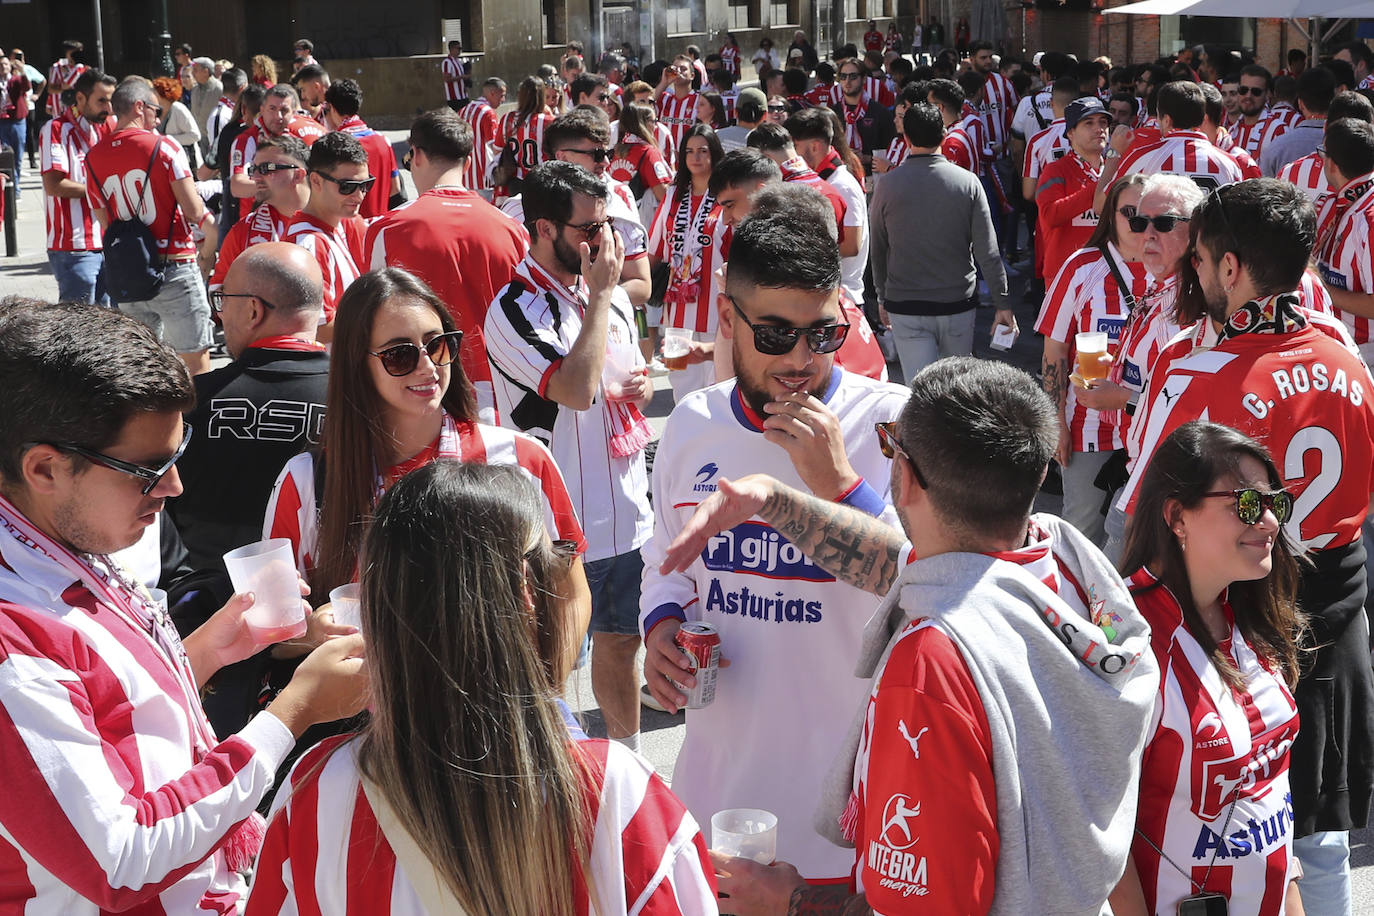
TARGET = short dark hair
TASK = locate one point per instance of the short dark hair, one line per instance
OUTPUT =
(980, 45)
(810, 124)
(345, 97)
(800, 198)
(948, 93)
(76, 374)
(1285, 88)
(777, 247)
(586, 84)
(1126, 97)
(1350, 146)
(825, 72)
(289, 144)
(1296, 54)
(549, 188)
(971, 82)
(1055, 64)
(1358, 51)
(794, 80)
(283, 91)
(233, 78)
(89, 78)
(184, 48)
(334, 149)
(251, 98)
(1182, 102)
(1213, 105)
(981, 434)
(923, 125)
(1065, 87)
(1260, 71)
(1350, 105)
(1316, 89)
(722, 79)
(574, 126)
(740, 167)
(442, 134)
(309, 72)
(304, 44)
(1280, 227)
(1343, 72)
(770, 137)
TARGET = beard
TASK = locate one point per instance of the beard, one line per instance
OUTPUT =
(569, 258)
(754, 390)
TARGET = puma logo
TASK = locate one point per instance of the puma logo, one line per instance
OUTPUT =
(1168, 398)
(914, 742)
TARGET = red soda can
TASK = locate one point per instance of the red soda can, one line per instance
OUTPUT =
(700, 642)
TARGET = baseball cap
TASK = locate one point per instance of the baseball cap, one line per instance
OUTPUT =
(795, 52)
(1082, 108)
(752, 96)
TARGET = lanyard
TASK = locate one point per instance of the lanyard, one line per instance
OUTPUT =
(1198, 887)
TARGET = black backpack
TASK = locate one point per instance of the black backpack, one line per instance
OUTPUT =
(133, 269)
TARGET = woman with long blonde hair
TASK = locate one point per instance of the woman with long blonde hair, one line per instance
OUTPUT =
(467, 792)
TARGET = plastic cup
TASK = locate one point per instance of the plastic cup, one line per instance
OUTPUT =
(344, 601)
(614, 375)
(268, 570)
(746, 833)
(677, 343)
(1091, 345)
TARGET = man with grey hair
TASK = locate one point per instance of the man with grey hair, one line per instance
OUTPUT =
(205, 95)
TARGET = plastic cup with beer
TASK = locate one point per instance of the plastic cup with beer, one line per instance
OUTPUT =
(746, 833)
(677, 343)
(347, 606)
(268, 570)
(1091, 347)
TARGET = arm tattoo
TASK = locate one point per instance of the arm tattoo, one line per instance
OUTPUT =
(827, 900)
(1053, 375)
(854, 547)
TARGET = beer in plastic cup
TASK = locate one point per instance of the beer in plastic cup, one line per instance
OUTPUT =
(677, 343)
(1091, 346)
(268, 570)
(344, 601)
(747, 833)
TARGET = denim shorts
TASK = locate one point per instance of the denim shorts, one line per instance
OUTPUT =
(614, 584)
(180, 312)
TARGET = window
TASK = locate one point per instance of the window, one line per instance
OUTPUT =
(684, 17)
(781, 14)
(743, 14)
(462, 20)
(554, 18)
(851, 9)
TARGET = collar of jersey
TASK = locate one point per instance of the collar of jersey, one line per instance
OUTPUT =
(751, 419)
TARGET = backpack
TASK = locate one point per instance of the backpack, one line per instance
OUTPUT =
(133, 269)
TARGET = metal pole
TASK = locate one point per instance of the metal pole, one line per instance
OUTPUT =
(99, 35)
(163, 66)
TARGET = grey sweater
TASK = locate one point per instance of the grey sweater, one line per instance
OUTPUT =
(929, 223)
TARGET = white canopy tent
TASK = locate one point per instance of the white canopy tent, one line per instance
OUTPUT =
(1295, 10)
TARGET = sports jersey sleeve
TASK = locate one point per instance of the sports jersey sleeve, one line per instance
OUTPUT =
(526, 351)
(658, 229)
(673, 595)
(1061, 306)
(78, 804)
(238, 154)
(235, 240)
(95, 194)
(560, 517)
(291, 511)
(53, 150)
(929, 822)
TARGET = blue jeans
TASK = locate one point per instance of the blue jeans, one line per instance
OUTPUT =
(1325, 884)
(614, 584)
(12, 134)
(80, 276)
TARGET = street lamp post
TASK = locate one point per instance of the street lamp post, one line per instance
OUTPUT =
(162, 44)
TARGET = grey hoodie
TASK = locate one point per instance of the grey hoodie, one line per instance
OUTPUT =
(1067, 708)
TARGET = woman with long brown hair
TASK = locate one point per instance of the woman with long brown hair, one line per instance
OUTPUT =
(466, 792)
(638, 161)
(264, 71)
(520, 134)
(1215, 575)
(398, 399)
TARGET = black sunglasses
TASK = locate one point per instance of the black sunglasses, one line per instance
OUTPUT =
(402, 359)
(851, 76)
(152, 476)
(891, 448)
(597, 153)
(1251, 503)
(1251, 90)
(267, 168)
(775, 340)
(218, 296)
(349, 185)
(589, 230)
(1162, 224)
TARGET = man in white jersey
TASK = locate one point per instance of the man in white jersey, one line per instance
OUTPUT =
(792, 413)
(567, 369)
(811, 137)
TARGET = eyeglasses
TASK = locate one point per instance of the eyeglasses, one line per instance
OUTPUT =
(776, 340)
(589, 230)
(1251, 90)
(349, 186)
(891, 448)
(267, 168)
(1251, 503)
(402, 359)
(851, 76)
(218, 296)
(153, 476)
(1163, 224)
(598, 154)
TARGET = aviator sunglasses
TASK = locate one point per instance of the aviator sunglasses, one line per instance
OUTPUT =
(1251, 503)
(402, 358)
(775, 340)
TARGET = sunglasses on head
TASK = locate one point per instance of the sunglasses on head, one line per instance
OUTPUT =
(401, 359)
(151, 476)
(1251, 503)
(267, 168)
(349, 185)
(776, 340)
(1162, 224)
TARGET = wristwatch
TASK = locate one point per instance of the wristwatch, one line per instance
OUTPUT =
(1111, 153)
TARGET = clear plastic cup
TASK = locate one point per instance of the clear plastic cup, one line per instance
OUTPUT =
(614, 376)
(747, 833)
(1091, 346)
(347, 606)
(677, 343)
(268, 570)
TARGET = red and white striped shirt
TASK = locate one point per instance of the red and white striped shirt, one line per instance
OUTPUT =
(381, 164)
(1184, 152)
(1214, 774)
(64, 142)
(729, 59)
(897, 151)
(61, 75)
(1085, 297)
(264, 224)
(1248, 166)
(326, 853)
(1343, 247)
(245, 145)
(998, 108)
(116, 177)
(679, 237)
(118, 795)
(1043, 148)
(958, 147)
(455, 68)
(292, 512)
(525, 140)
(677, 113)
(1309, 174)
(1253, 137)
(642, 163)
(482, 119)
(338, 251)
